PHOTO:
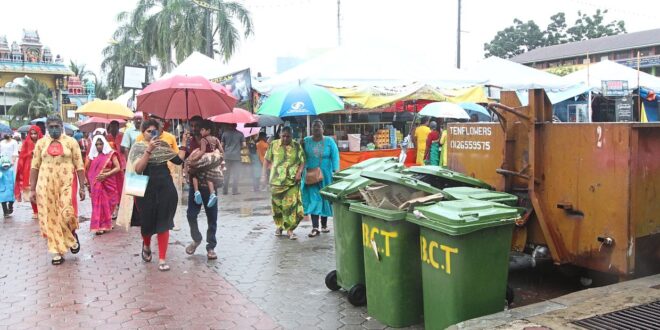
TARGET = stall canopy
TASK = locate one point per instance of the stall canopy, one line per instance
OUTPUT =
(351, 66)
(510, 75)
(594, 74)
(370, 97)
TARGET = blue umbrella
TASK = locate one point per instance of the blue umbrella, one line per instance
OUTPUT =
(4, 129)
(68, 128)
(300, 100)
(476, 109)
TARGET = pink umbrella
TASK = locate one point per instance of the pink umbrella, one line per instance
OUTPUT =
(182, 97)
(237, 116)
(247, 131)
(93, 123)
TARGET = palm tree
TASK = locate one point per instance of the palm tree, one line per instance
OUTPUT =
(35, 100)
(79, 70)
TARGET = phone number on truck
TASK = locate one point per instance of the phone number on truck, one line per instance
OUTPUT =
(470, 145)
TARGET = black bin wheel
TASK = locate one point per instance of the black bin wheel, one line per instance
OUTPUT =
(357, 295)
(331, 281)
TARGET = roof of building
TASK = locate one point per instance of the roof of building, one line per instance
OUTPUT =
(591, 46)
(39, 67)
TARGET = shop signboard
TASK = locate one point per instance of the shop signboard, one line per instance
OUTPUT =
(623, 109)
(240, 85)
(614, 87)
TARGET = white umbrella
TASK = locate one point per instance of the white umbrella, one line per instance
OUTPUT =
(444, 110)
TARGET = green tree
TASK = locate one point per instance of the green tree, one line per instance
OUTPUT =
(522, 37)
(590, 27)
(35, 100)
(79, 70)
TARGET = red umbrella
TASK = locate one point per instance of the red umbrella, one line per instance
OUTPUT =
(93, 123)
(237, 116)
(183, 97)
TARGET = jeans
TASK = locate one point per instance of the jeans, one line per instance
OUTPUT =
(315, 221)
(231, 176)
(211, 216)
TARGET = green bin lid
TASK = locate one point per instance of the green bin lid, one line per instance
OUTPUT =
(371, 162)
(401, 179)
(460, 217)
(383, 214)
(449, 175)
(351, 184)
(482, 194)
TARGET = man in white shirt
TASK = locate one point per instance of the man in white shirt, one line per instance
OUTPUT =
(9, 148)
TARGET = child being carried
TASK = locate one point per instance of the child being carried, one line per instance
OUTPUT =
(205, 164)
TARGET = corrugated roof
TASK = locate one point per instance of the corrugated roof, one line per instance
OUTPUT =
(593, 46)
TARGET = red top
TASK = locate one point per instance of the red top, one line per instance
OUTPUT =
(25, 162)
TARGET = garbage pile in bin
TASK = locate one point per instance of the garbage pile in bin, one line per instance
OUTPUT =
(413, 243)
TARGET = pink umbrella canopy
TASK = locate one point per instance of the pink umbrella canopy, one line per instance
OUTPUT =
(237, 116)
(183, 97)
(93, 123)
(247, 131)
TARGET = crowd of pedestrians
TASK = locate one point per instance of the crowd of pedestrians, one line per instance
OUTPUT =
(54, 171)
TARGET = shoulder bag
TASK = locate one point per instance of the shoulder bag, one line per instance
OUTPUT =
(315, 175)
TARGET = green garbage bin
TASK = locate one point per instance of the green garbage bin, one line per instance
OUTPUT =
(349, 261)
(391, 266)
(441, 177)
(372, 163)
(391, 245)
(482, 195)
(464, 247)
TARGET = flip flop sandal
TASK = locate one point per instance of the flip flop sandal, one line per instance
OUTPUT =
(76, 248)
(146, 254)
(57, 260)
(190, 249)
(278, 232)
(325, 230)
(293, 237)
(315, 232)
(163, 267)
(211, 255)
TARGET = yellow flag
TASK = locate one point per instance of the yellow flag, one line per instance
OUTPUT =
(644, 119)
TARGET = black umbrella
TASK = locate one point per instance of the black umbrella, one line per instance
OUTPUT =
(266, 120)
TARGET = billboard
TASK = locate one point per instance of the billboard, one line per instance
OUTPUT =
(240, 85)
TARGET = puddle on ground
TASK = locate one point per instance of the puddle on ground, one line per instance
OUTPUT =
(247, 211)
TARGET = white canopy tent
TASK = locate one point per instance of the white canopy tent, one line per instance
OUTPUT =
(354, 66)
(510, 75)
(594, 74)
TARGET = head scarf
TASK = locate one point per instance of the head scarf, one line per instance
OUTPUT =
(161, 154)
(93, 152)
(101, 131)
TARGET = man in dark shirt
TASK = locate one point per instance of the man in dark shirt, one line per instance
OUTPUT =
(194, 208)
(232, 142)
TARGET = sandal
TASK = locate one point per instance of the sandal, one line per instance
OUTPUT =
(278, 232)
(100, 232)
(292, 236)
(163, 267)
(76, 248)
(315, 232)
(146, 253)
(325, 230)
(57, 260)
(190, 249)
(211, 255)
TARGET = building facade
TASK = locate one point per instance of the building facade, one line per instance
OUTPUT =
(30, 58)
(631, 49)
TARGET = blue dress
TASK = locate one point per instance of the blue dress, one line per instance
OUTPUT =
(6, 185)
(313, 203)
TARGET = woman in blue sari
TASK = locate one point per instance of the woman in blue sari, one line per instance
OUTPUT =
(320, 152)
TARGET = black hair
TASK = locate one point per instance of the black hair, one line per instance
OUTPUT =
(318, 121)
(54, 118)
(197, 119)
(206, 124)
(148, 123)
(262, 135)
(286, 129)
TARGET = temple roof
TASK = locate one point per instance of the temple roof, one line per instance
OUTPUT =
(31, 37)
(4, 45)
(27, 67)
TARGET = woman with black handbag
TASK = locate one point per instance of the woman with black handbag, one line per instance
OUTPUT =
(321, 161)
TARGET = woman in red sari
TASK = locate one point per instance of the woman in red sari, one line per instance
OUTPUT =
(102, 173)
(23, 167)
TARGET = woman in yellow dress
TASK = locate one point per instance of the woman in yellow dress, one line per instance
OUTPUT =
(421, 135)
(54, 185)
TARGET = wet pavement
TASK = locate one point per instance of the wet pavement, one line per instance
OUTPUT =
(259, 281)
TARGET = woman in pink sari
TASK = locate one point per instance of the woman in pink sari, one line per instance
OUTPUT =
(102, 174)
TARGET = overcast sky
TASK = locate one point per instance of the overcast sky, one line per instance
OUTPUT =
(80, 29)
